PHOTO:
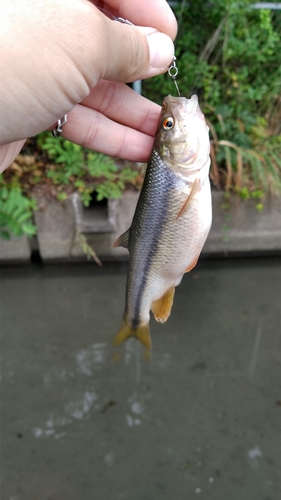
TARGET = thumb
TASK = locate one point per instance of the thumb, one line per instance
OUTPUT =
(123, 52)
(58, 51)
(134, 53)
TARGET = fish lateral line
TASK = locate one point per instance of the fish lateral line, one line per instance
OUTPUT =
(194, 189)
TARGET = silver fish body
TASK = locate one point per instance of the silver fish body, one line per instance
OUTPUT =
(172, 218)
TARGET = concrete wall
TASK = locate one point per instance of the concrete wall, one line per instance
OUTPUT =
(241, 229)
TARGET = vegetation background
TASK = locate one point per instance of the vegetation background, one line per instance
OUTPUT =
(230, 55)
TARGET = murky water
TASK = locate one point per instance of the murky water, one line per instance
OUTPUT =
(201, 419)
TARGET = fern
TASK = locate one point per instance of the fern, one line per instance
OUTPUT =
(15, 212)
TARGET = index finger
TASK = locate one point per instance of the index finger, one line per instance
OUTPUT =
(120, 103)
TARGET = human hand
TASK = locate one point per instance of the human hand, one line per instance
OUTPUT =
(59, 54)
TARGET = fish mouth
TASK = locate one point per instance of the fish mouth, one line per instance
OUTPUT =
(189, 106)
(192, 105)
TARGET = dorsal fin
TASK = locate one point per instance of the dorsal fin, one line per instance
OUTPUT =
(123, 240)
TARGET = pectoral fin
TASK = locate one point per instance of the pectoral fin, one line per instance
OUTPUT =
(194, 189)
(141, 333)
(192, 265)
(161, 308)
(123, 240)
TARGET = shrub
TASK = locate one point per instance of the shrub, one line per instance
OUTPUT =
(15, 211)
(56, 167)
(229, 54)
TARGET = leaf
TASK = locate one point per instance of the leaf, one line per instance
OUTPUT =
(276, 178)
(5, 235)
(61, 196)
(79, 183)
(29, 229)
(16, 213)
(87, 249)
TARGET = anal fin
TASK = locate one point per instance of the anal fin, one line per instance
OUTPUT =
(161, 308)
(141, 333)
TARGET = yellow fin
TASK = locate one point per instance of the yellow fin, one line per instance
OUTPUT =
(141, 333)
(193, 191)
(161, 308)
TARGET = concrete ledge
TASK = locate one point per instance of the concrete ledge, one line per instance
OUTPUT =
(120, 214)
(240, 230)
(58, 224)
(15, 250)
(55, 228)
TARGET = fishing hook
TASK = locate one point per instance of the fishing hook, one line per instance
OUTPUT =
(173, 73)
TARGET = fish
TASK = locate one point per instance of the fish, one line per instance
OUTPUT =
(172, 219)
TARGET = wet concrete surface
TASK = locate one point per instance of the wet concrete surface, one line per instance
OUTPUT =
(82, 420)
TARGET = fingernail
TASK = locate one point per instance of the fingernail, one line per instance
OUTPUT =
(161, 50)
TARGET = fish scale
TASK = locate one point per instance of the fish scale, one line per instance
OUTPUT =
(146, 234)
(172, 218)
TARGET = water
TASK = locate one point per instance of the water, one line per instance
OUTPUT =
(83, 420)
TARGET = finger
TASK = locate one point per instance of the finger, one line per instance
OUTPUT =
(125, 53)
(155, 13)
(120, 103)
(91, 129)
(82, 47)
(8, 153)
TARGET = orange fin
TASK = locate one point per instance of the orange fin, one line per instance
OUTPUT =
(161, 308)
(141, 333)
(192, 265)
(123, 240)
(194, 190)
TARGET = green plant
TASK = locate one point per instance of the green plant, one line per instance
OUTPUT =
(16, 211)
(84, 169)
(57, 167)
(258, 165)
(67, 156)
(229, 54)
(86, 248)
(257, 194)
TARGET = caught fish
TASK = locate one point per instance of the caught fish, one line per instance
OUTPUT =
(172, 218)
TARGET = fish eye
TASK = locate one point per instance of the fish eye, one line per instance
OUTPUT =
(168, 123)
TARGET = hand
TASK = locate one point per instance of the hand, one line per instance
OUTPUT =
(55, 55)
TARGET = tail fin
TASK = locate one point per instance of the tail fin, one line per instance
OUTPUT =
(141, 333)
